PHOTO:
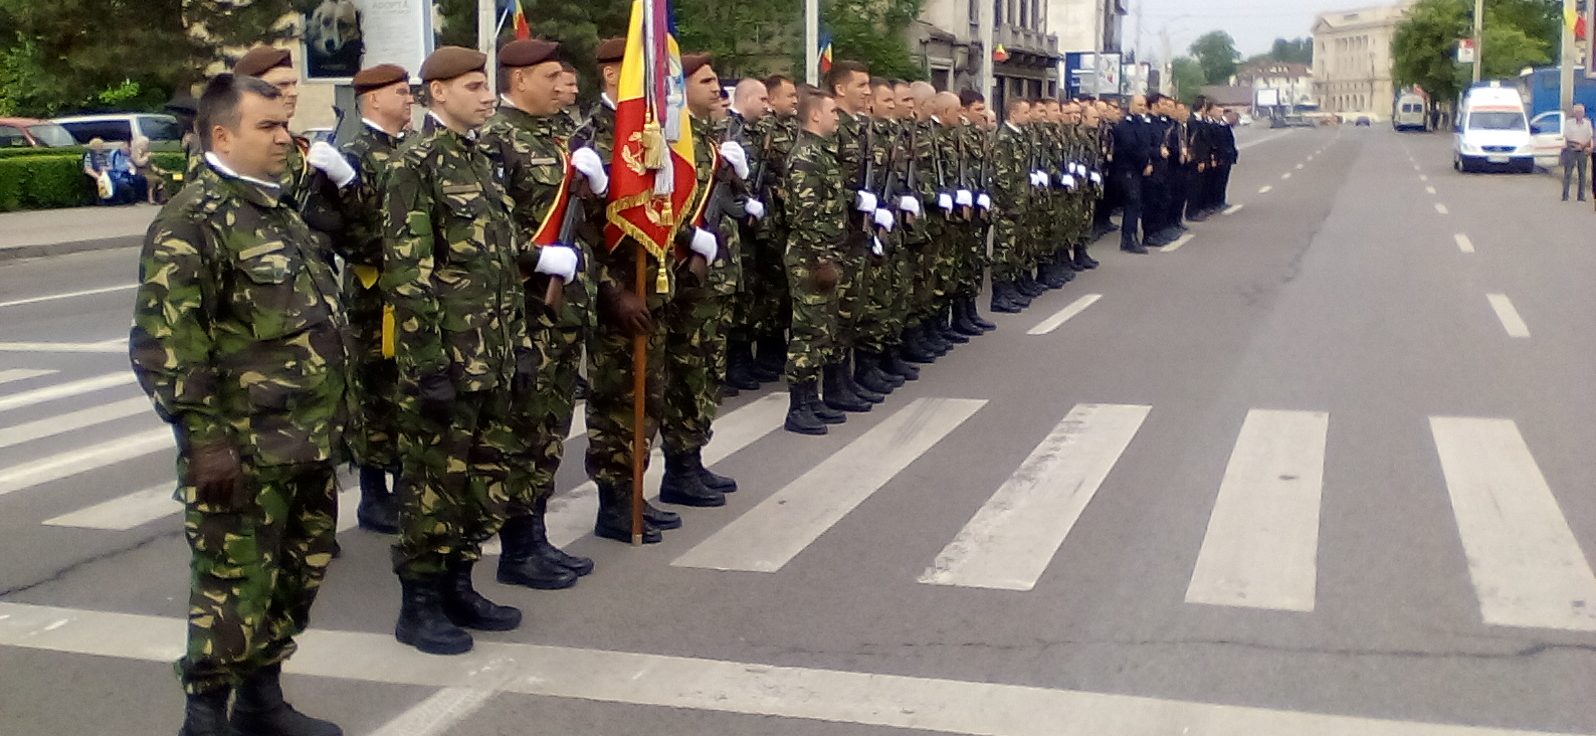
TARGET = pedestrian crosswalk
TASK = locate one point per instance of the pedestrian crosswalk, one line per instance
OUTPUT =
(1260, 548)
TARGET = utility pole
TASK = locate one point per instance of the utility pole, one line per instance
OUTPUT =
(1479, 48)
(986, 18)
(1570, 53)
(487, 32)
(812, 42)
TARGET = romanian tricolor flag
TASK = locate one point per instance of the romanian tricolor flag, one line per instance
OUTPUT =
(523, 29)
(825, 53)
(651, 176)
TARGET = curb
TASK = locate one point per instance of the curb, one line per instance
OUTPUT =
(44, 250)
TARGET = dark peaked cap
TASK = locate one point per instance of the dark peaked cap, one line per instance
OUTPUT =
(259, 60)
(449, 62)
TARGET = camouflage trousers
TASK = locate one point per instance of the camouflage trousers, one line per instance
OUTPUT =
(373, 435)
(814, 322)
(694, 349)
(920, 279)
(771, 300)
(882, 322)
(543, 419)
(610, 414)
(454, 484)
(852, 299)
(973, 258)
(255, 572)
(1011, 232)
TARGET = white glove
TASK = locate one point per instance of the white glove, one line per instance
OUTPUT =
(884, 219)
(983, 201)
(704, 244)
(587, 161)
(909, 204)
(734, 155)
(876, 248)
(964, 198)
(329, 161)
(558, 261)
(1039, 179)
(755, 209)
(1077, 169)
(1068, 181)
(864, 201)
(1097, 178)
(945, 201)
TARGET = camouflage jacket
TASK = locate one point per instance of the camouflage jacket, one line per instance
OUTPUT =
(771, 140)
(238, 327)
(371, 152)
(532, 150)
(850, 146)
(1010, 167)
(815, 187)
(450, 269)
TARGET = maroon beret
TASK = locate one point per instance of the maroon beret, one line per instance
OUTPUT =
(449, 62)
(610, 51)
(259, 60)
(379, 76)
(691, 63)
(530, 52)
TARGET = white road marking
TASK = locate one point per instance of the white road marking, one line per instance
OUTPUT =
(1063, 315)
(72, 421)
(63, 390)
(1310, 156)
(22, 374)
(1179, 242)
(1527, 566)
(124, 512)
(1262, 545)
(571, 514)
(1285, 176)
(1463, 243)
(436, 714)
(1429, 190)
(67, 464)
(1264, 139)
(1508, 314)
(1299, 167)
(1265, 189)
(1423, 177)
(720, 686)
(1233, 209)
(67, 295)
(1014, 537)
(1441, 208)
(769, 535)
(119, 346)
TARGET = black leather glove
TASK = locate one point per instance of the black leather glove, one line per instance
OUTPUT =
(217, 474)
(625, 310)
(436, 393)
(527, 362)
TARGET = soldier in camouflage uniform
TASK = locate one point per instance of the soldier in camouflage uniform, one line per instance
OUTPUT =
(622, 314)
(693, 342)
(1094, 162)
(529, 137)
(880, 322)
(743, 123)
(274, 66)
(451, 272)
(237, 338)
(814, 185)
(849, 83)
(1012, 185)
(774, 135)
(385, 101)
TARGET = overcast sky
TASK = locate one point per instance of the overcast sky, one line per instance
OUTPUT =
(1255, 24)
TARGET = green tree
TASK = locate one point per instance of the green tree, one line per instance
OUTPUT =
(1291, 51)
(57, 59)
(1424, 48)
(1216, 52)
(873, 31)
(748, 38)
(1186, 74)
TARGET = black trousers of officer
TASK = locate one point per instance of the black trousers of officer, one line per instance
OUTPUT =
(1197, 192)
(1155, 201)
(1221, 193)
(1179, 188)
(1130, 188)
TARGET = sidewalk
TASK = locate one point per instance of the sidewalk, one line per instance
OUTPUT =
(56, 232)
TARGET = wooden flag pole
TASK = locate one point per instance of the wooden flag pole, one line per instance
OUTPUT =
(639, 387)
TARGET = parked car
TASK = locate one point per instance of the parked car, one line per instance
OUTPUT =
(33, 133)
(1546, 135)
(123, 127)
(1246, 120)
(1363, 122)
(1492, 132)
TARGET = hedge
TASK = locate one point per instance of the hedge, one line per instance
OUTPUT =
(29, 151)
(53, 181)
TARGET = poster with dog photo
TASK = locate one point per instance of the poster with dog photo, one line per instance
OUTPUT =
(342, 37)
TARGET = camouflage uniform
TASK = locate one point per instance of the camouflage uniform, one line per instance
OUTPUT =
(373, 378)
(814, 185)
(771, 310)
(889, 283)
(451, 273)
(974, 258)
(238, 338)
(853, 290)
(923, 235)
(532, 150)
(1011, 203)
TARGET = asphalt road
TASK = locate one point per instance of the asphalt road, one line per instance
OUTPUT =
(1322, 469)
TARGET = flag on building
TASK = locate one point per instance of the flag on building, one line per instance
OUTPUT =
(651, 176)
(825, 52)
(1000, 54)
(523, 29)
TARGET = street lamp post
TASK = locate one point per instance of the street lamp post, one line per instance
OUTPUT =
(1479, 49)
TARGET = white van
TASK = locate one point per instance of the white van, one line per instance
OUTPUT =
(1408, 113)
(1492, 132)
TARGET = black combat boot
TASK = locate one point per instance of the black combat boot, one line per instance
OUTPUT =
(839, 395)
(947, 322)
(422, 623)
(740, 364)
(772, 358)
(846, 376)
(1029, 286)
(615, 516)
(379, 507)
(962, 322)
(712, 480)
(682, 486)
(521, 564)
(800, 418)
(205, 714)
(893, 363)
(467, 608)
(931, 333)
(261, 711)
(975, 316)
(1085, 258)
(578, 564)
(1002, 302)
(867, 372)
(1050, 276)
(825, 414)
(1017, 296)
(914, 348)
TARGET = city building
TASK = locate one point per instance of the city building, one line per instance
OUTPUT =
(1352, 59)
(948, 38)
(1293, 83)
